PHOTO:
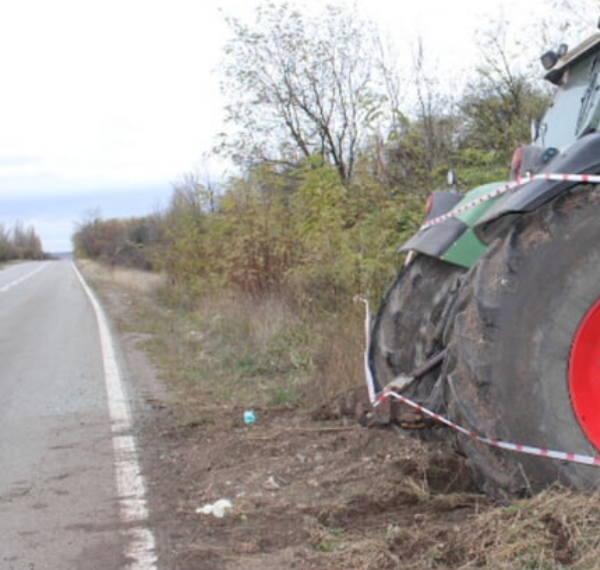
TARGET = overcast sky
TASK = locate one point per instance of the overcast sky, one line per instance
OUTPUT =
(104, 103)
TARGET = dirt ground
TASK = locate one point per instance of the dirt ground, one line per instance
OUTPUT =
(306, 494)
(307, 491)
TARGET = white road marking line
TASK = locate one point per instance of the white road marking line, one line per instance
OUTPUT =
(141, 546)
(20, 280)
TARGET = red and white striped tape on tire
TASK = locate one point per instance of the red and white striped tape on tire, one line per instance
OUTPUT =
(516, 447)
(378, 398)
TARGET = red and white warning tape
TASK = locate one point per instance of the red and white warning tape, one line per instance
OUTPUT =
(378, 398)
(519, 181)
(373, 396)
(517, 447)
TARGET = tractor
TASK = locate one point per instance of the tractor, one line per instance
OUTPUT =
(493, 323)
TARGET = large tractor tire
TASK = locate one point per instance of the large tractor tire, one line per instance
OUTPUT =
(408, 330)
(523, 361)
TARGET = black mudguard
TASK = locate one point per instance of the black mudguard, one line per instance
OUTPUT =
(582, 157)
(436, 240)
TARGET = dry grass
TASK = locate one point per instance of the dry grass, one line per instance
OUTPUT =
(132, 280)
(339, 356)
(555, 529)
(239, 349)
(261, 351)
(232, 348)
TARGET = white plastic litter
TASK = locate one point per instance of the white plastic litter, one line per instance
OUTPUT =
(218, 509)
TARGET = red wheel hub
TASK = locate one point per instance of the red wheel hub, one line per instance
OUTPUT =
(584, 374)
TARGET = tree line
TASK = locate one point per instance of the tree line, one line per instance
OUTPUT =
(331, 167)
(19, 242)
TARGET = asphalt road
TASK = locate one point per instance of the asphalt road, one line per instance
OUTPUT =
(71, 496)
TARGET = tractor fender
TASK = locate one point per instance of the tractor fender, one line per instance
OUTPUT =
(437, 240)
(440, 240)
(582, 157)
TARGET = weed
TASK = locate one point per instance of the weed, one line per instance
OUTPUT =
(282, 396)
(327, 539)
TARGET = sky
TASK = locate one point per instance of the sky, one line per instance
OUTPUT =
(104, 104)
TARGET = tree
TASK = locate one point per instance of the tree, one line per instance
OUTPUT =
(419, 151)
(254, 230)
(130, 242)
(184, 256)
(26, 243)
(498, 106)
(7, 249)
(305, 85)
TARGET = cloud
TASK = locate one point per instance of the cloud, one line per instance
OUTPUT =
(117, 91)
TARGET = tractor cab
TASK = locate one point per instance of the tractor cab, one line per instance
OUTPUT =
(575, 110)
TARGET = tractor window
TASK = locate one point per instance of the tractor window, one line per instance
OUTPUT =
(589, 103)
(576, 107)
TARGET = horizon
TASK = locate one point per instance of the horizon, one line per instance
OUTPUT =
(50, 215)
